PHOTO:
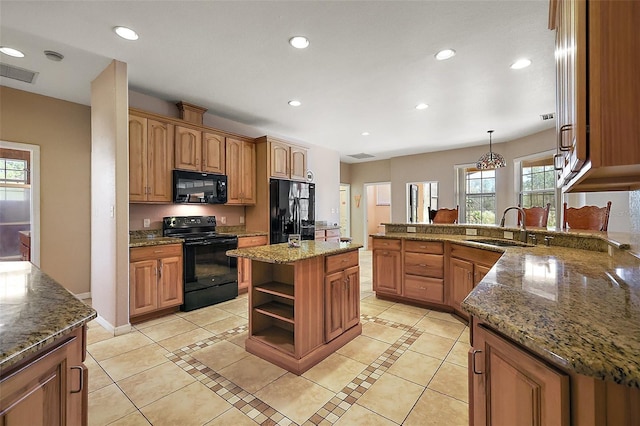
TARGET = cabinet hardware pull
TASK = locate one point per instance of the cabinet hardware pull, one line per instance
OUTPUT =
(161, 266)
(79, 368)
(473, 361)
(157, 251)
(563, 129)
(555, 162)
(423, 264)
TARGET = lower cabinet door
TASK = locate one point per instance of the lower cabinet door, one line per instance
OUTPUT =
(352, 300)
(461, 281)
(334, 296)
(244, 273)
(170, 286)
(143, 287)
(511, 387)
(387, 267)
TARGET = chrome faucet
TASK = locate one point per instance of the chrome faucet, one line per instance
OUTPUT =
(523, 227)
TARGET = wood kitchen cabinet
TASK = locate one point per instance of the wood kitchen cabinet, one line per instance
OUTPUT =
(387, 266)
(598, 102)
(424, 271)
(199, 151)
(150, 160)
(155, 279)
(330, 235)
(508, 386)
(244, 264)
(50, 388)
(342, 294)
(241, 172)
(286, 161)
(467, 267)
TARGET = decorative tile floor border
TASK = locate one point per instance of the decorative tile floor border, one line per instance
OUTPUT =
(261, 412)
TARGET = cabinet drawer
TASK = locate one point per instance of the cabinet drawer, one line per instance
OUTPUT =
(252, 241)
(433, 247)
(320, 235)
(475, 255)
(154, 252)
(422, 288)
(428, 265)
(332, 232)
(386, 244)
(338, 262)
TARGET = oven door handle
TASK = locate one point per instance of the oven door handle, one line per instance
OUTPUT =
(198, 243)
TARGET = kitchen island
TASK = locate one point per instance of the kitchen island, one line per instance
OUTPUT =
(555, 329)
(42, 348)
(304, 302)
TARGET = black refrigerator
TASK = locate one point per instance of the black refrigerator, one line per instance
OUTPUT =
(292, 210)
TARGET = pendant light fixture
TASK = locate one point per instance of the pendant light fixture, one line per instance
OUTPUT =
(490, 160)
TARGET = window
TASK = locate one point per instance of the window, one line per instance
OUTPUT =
(13, 171)
(479, 195)
(537, 186)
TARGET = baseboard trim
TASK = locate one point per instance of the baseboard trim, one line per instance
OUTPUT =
(117, 331)
(83, 296)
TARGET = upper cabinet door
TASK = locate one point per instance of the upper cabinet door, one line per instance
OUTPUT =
(213, 153)
(279, 160)
(159, 156)
(188, 151)
(298, 163)
(248, 173)
(137, 158)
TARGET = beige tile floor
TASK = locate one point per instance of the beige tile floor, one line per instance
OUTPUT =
(190, 368)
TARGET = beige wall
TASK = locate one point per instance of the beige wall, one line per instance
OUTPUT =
(63, 132)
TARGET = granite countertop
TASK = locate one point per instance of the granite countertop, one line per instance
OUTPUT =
(34, 311)
(242, 234)
(579, 309)
(282, 253)
(153, 241)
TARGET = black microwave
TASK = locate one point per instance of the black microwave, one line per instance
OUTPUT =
(199, 188)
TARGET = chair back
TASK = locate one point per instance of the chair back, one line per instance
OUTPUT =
(446, 216)
(536, 217)
(588, 217)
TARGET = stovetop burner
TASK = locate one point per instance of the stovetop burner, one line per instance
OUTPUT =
(191, 227)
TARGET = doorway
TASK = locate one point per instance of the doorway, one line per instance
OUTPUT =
(377, 209)
(345, 210)
(20, 201)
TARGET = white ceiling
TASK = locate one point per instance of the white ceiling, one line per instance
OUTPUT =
(369, 63)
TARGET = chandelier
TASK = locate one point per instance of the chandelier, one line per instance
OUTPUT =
(490, 160)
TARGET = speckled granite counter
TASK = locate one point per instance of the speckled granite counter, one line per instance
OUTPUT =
(282, 253)
(154, 241)
(579, 309)
(34, 311)
(243, 233)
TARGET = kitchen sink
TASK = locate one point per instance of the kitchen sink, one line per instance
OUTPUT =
(498, 242)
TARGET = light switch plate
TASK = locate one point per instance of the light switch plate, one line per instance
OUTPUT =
(471, 231)
(508, 235)
(411, 229)
(241, 220)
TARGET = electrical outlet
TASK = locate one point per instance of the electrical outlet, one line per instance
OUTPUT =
(146, 223)
(411, 229)
(471, 231)
(223, 219)
(508, 235)
(241, 220)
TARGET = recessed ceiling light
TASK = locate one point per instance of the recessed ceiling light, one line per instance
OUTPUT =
(295, 103)
(445, 54)
(365, 133)
(520, 63)
(299, 42)
(126, 33)
(11, 52)
(422, 106)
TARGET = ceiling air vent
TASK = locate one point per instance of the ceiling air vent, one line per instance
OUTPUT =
(361, 156)
(545, 117)
(16, 73)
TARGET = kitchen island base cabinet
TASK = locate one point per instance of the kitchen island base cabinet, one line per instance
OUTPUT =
(387, 266)
(287, 311)
(51, 388)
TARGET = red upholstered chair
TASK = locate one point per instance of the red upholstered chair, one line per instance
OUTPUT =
(446, 216)
(588, 217)
(536, 217)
